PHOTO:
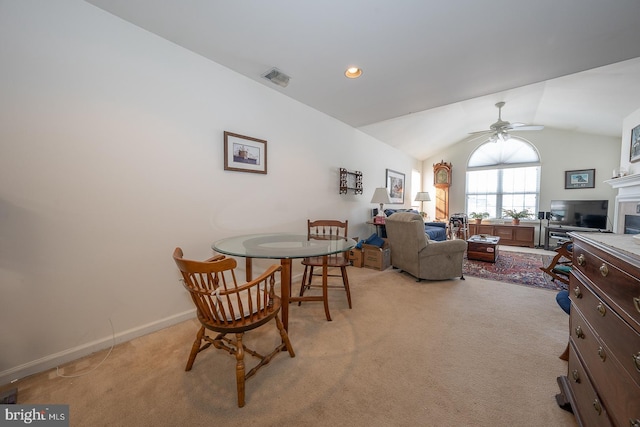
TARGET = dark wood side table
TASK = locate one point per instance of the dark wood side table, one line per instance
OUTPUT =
(483, 248)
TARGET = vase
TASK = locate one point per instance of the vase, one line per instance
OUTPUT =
(516, 221)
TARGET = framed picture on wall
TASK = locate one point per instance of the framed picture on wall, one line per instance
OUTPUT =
(634, 156)
(584, 178)
(395, 185)
(244, 154)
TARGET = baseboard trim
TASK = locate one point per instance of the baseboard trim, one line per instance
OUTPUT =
(51, 361)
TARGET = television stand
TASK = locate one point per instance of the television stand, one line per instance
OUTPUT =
(562, 233)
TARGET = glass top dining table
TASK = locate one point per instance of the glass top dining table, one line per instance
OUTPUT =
(282, 246)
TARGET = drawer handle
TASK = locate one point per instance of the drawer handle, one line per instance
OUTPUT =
(576, 376)
(636, 361)
(578, 294)
(602, 354)
(634, 423)
(579, 332)
(601, 309)
(604, 270)
(581, 259)
(636, 302)
(597, 406)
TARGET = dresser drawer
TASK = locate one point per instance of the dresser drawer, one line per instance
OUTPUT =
(618, 338)
(589, 409)
(616, 286)
(615, 389)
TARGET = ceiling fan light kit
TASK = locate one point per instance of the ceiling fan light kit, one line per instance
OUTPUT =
(501, 136)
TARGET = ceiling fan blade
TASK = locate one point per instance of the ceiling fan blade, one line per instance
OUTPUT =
(479, 135)
(524, 127)
(501, 127)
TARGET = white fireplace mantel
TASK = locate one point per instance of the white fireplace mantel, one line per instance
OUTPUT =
(625, 181)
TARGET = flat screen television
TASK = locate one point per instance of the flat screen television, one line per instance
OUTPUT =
(580, 213)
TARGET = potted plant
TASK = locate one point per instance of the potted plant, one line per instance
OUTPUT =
(479, 216)
(516, 215)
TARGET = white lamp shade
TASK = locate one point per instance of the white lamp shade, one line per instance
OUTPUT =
(423, 196)
(381, 195)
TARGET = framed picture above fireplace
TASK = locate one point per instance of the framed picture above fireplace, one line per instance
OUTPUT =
(634, 156)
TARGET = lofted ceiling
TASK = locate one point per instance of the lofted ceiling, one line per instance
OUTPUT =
(432, 69)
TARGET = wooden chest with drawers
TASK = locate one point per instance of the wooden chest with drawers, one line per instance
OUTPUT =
(602, 384)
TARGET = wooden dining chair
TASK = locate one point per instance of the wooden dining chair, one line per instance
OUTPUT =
(225, 307)
(560, 266)
(325, 230)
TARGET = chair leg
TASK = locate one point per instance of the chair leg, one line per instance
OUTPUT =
(303, 285)
(304, 279)
(240, 369)
(310, 276)
(345, 282)
(195, 348)
(325, 291)
(285, 337)
(565, 353)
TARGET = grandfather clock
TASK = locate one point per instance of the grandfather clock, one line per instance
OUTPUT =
(442, 181)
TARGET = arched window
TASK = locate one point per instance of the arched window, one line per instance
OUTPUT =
(503, 175)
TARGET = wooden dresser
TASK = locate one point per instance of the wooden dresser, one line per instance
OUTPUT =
(510, 235)
(602, 384)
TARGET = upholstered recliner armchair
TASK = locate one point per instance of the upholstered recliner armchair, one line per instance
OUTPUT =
(412, 250)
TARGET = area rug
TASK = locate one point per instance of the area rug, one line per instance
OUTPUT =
(514, 267)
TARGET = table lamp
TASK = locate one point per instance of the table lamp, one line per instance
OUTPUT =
(422, 196)
(381, 195)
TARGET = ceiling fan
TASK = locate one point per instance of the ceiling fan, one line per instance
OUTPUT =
(501, 128)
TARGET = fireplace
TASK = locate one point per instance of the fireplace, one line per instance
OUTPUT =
(632, 224)
(627, 206)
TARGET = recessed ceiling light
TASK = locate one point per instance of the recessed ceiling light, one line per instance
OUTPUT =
(353, 72)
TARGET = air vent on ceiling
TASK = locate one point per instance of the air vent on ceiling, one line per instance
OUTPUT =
(276, 76)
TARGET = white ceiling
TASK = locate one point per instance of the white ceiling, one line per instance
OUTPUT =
(433, 69)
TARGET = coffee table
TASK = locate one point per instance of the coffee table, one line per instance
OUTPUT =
(483, 248)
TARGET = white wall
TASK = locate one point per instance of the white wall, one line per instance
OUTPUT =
(111, 142)
(631, 121)
(559, 151)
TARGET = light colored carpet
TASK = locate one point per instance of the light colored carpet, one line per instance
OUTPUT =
(452, 353)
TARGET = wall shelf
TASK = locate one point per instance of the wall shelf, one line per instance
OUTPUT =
(350, 181)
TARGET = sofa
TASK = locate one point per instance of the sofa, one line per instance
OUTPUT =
(436, 231)
(412, 250)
